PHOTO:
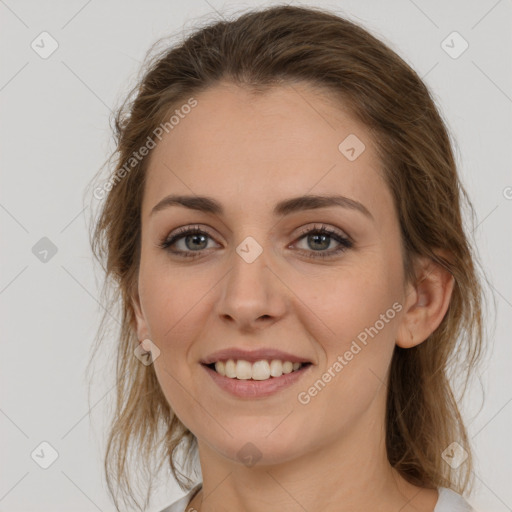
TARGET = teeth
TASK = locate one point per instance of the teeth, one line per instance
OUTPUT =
(243, 370)
(276, 368)
(259, 370)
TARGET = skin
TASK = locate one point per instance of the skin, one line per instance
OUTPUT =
(249, 152)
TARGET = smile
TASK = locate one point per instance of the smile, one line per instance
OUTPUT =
(262, 378)
(258, 370)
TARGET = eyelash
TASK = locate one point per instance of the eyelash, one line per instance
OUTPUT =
(345, 243)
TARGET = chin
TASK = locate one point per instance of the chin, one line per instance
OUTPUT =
(257, 447)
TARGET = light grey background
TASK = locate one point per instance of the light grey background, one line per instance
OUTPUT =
(55, 135)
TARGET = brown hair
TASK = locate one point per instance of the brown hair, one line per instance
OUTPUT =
(261, 49)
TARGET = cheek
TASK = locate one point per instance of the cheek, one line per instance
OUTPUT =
(175, 304)
(346, 304)
(357, 336)
(363, 306)
(172, 297)
(354, 324)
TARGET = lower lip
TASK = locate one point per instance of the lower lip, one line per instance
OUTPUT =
(256, 388)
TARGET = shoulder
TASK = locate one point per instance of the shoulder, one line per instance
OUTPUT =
(450, 501)
(181, 504)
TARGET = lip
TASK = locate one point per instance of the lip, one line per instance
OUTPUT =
(256, 388)
(253, 355)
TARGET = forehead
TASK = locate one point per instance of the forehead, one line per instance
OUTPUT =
(255, 149)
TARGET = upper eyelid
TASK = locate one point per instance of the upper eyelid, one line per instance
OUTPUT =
(181, 232)
(320, 226)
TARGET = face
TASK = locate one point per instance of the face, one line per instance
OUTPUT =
(256, 278)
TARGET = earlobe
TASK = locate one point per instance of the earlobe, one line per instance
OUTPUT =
(428, 301)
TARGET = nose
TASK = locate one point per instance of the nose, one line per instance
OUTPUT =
(252, 295)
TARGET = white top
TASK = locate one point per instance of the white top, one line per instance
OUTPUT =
(448, 501)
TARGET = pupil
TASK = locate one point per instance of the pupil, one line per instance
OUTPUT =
(195, 237)
(323, 237)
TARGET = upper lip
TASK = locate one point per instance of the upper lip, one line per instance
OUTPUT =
(252, 355)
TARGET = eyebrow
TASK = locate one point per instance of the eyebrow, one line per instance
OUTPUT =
(286, 207)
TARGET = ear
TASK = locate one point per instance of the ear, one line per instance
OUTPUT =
(140, 319)
(426, 302)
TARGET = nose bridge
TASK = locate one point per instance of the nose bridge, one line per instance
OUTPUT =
(250, 290)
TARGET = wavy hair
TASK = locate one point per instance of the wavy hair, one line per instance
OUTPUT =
(258, 50)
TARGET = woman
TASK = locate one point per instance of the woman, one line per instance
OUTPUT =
(283, 228)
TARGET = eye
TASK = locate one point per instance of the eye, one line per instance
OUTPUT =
(192, 237)
(320, 238)
(195, 240)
